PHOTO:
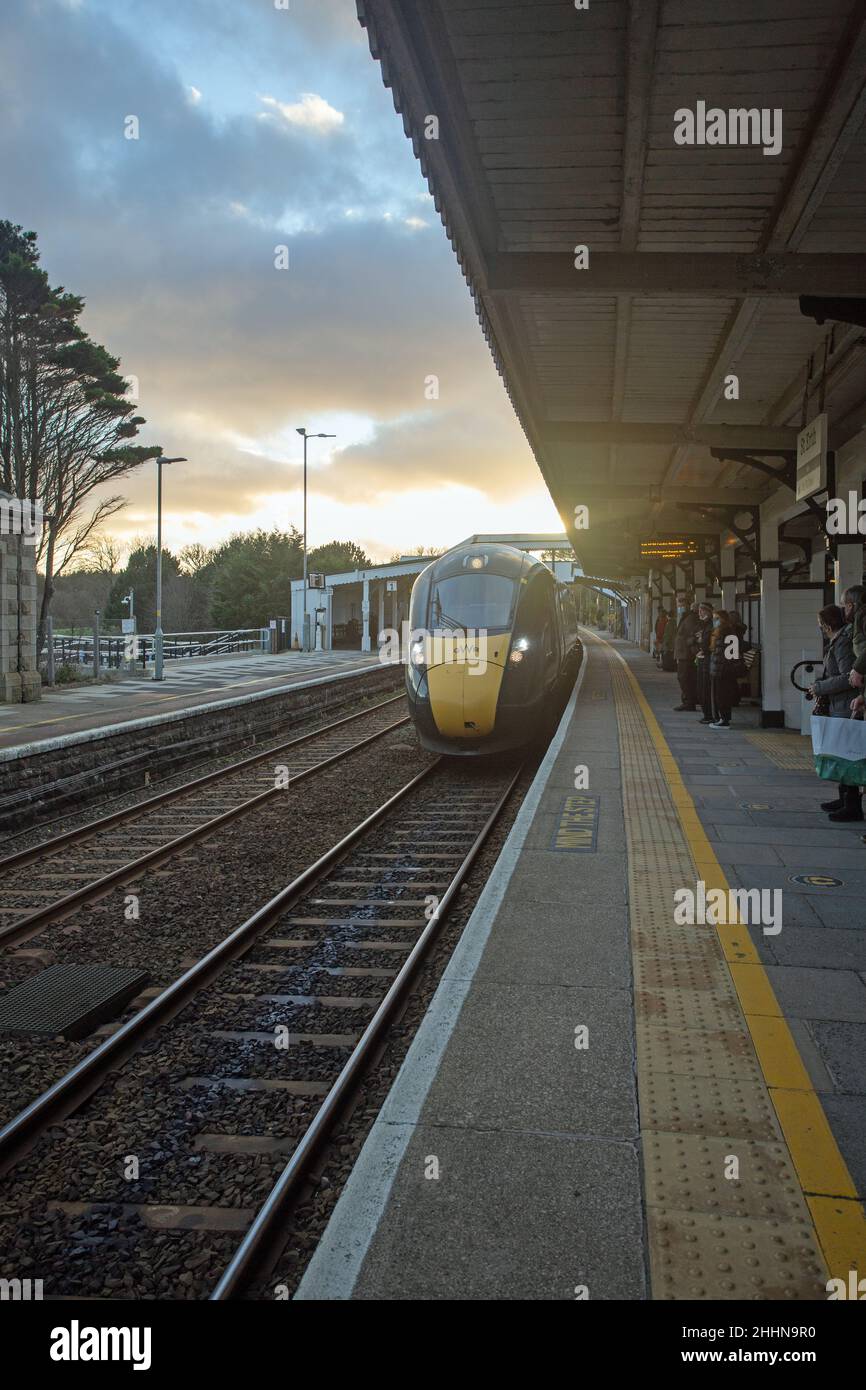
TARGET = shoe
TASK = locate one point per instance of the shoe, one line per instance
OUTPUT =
(831, 805)
(720, 724)
(846, 815)
(706, 721)
(684, 709)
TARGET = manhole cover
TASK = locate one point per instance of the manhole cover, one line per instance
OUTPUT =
(817, 881)
(69, 1000)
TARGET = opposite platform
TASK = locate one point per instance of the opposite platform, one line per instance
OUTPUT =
(77, 709)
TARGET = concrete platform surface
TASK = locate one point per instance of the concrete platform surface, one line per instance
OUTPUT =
(73, 709)
(605, 1103)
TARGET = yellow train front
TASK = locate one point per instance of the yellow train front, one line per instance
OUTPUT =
(493, 646)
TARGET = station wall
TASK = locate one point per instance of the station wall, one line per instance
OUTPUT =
(19, 676)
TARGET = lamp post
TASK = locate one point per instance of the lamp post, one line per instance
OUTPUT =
(157, 637)
(305, 436)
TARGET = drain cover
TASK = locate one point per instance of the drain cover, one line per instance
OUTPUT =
(69, 1000)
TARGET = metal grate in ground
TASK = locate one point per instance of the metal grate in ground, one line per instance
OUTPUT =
(69, 1000)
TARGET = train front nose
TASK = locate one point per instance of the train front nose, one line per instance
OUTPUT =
(464, 687)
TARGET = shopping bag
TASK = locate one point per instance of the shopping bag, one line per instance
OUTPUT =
(839, 748)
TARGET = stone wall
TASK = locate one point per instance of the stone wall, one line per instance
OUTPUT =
(43, 779)
(19, 677)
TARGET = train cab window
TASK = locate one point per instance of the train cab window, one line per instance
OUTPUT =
(479, 601)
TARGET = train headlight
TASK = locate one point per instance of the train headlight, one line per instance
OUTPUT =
(418, 653)
(519, 650)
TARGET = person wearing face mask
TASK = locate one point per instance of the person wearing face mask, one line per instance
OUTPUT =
(685, 647)
(834, 691)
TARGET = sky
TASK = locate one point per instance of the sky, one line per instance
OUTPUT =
(260, 128)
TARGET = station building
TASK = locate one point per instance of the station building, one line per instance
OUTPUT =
(658, 209)
(678, 319)
(351, 609)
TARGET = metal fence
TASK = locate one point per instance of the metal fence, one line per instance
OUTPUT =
(136, 650)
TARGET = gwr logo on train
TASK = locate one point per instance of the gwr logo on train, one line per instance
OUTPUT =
(577, 831)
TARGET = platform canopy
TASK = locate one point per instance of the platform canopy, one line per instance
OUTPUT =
(558, 127)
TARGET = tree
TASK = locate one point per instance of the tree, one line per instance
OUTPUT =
(419, 552)
(103, 555)
(338, 557)
(139, 576)
(65, 424)
(252, 578)
(195, 557)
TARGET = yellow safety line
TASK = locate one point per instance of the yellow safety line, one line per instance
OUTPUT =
(826, 1183)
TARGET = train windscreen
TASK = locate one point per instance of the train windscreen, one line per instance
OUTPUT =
(479, 601)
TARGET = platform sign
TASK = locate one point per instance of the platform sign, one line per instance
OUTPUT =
(670, 548)
(127, 625)
(812, 458)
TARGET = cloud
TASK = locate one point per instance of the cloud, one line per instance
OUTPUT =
(171, 239)
(310, 113)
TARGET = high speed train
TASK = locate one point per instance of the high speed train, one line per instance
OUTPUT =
(493, 645)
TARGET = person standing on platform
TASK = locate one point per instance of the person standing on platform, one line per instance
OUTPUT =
(669, 660)
(661, 623)
(834, 690)
(685, 650)
(702, 662)
(855, 614)
(726, 667)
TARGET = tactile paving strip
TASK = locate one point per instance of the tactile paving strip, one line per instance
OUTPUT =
(790, 751)
(695, 1255)
(726, 1215)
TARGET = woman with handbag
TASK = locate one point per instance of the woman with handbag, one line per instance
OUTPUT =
(832, 694)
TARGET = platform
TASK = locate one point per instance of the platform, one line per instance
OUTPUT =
(604, 1104)
(74, 709)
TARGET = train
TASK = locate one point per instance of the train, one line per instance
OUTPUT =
(493, 647)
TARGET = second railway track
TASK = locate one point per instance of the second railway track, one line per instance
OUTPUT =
(245, 1060)
(45, 881)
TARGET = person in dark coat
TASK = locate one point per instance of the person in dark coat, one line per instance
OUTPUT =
(723, 668)
(835, 687)
(661, 623)
(685, 648)
(702, 661)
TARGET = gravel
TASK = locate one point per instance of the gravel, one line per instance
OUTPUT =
(170, 1103)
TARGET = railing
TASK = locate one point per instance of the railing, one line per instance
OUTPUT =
(135, 650)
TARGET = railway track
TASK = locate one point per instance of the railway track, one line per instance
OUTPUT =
(42, 883)
(268, 1036)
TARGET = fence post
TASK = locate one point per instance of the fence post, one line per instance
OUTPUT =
(49, 663)
(96, 645)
